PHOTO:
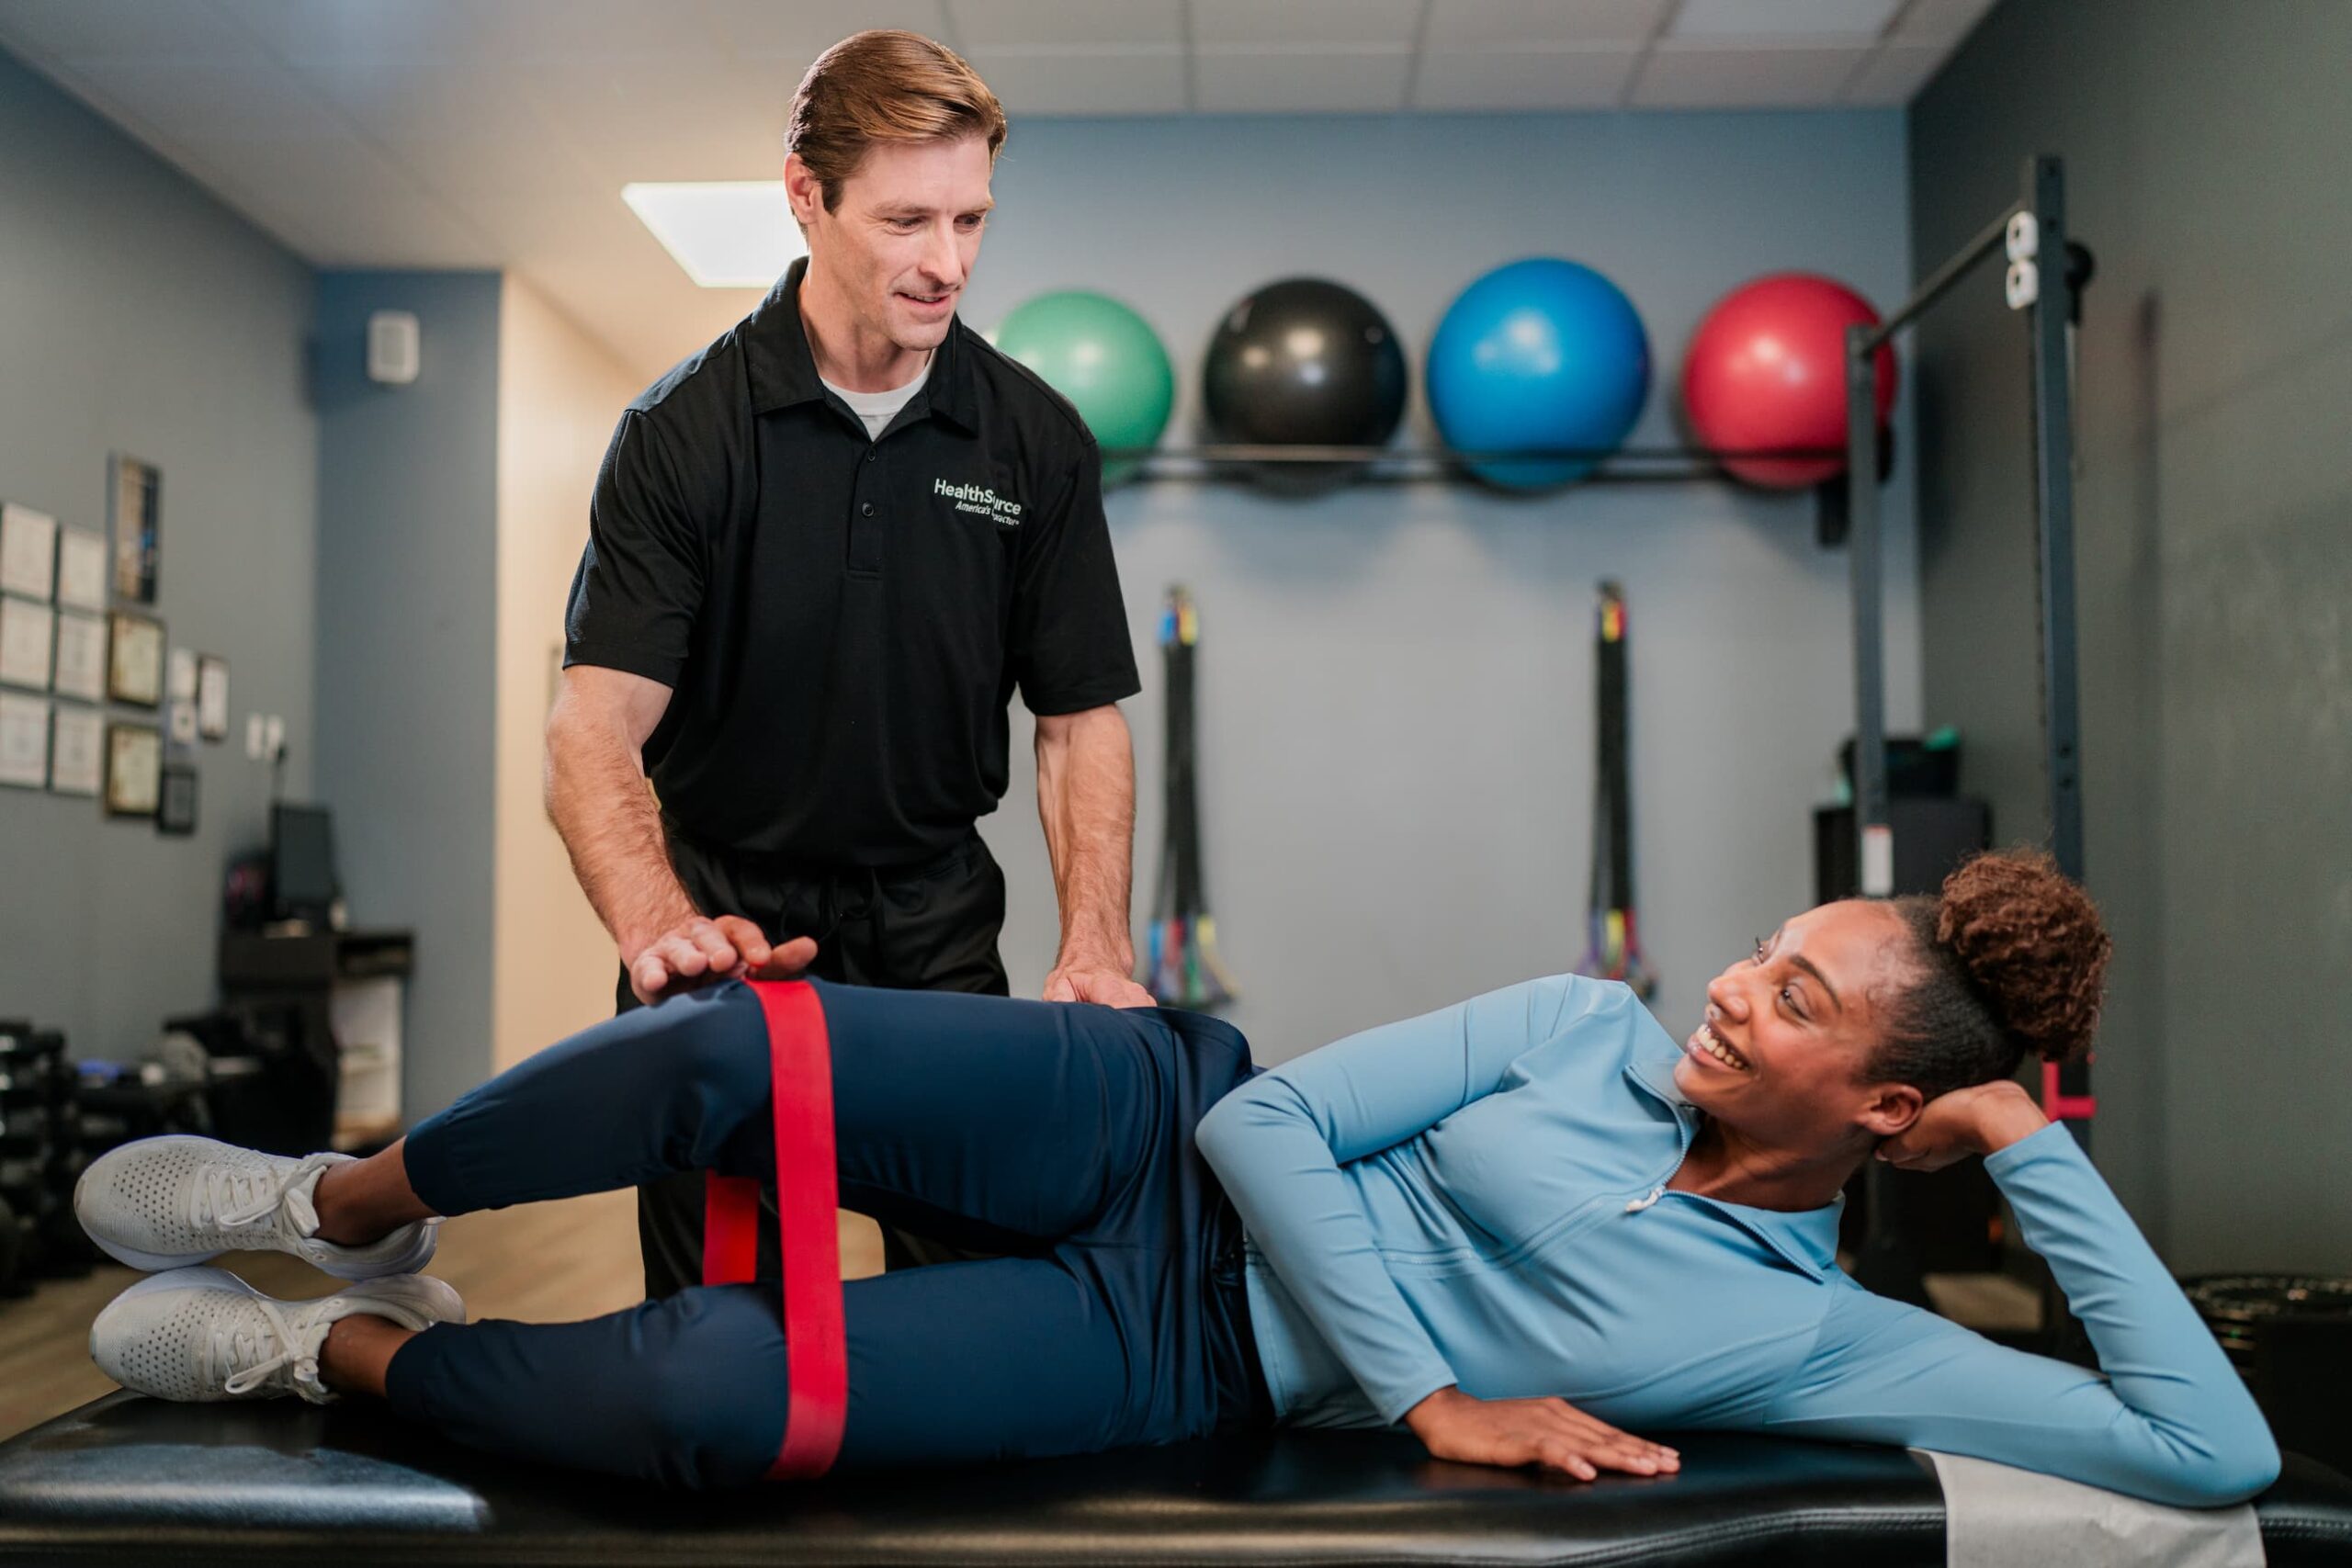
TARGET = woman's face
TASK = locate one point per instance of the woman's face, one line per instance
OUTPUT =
(1789, 1030)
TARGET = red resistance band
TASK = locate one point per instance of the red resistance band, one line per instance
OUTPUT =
(800, 1066)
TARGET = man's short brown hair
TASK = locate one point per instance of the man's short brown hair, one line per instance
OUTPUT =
(886, 86)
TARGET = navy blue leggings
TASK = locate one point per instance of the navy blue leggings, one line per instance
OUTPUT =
(1060, 1134)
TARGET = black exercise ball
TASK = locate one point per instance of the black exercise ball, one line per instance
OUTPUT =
(1304, 363)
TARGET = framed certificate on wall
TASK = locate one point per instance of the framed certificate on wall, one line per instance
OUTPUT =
(81, 656)
(135, 672)
(28, 551)
(24, 741)
(81, 570)
(134, 769)
(137, 492)
(25, 632)
(77, 752)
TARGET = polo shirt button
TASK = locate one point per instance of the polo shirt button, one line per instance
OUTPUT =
(866, 509)
(869, 456)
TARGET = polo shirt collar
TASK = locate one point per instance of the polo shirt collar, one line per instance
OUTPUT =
(1807, 1239)
(783, 370)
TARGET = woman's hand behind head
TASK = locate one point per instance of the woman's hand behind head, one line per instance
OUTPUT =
(1976, 1121)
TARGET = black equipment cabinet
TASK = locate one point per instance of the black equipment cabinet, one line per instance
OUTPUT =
(1932, 836)
(276, 1062)
(1902, 1226)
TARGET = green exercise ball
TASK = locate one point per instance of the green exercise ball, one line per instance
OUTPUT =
(1105, 359)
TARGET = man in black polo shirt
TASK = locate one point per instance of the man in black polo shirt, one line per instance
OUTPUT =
(823, 554)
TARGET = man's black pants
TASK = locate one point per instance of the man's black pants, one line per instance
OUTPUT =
(924, 928)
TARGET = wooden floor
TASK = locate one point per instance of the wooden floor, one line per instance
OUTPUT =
(542, 1263)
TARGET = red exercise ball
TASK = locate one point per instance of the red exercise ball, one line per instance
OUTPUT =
(1768, 369)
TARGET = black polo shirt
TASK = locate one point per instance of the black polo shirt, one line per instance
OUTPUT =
(842, 621)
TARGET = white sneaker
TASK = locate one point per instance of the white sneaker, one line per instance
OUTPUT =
(167, 1202)
(200, 1334)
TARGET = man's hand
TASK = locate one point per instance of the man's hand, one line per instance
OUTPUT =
(1091, 980)
(1550, 1432)
(1978, 1120)
(699, 952)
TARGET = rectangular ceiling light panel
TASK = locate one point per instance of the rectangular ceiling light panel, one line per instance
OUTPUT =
(725, 234)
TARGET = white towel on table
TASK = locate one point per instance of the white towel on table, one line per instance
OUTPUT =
(1998, 1516)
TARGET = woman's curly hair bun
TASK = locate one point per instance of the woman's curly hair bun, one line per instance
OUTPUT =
(2031, 942)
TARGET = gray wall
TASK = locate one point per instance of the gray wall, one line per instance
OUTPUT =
(407, 596)
(2207, 166)
(1396, 682)
(138, 314)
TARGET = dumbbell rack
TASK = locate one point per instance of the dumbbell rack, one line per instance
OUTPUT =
(42, 1156)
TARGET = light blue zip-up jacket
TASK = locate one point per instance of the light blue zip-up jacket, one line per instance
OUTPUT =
(1477, 1197)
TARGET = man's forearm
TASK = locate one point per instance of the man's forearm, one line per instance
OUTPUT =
(598, 799)
(1086, 799)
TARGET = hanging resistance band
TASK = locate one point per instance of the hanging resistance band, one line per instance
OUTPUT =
(1614, 950)
(1180, 962)
(800, 1066)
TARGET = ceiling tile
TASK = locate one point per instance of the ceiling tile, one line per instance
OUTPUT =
(1791, 20)
(610, 274)
(1085, 82)
(1750, 78)
(802, 29)
(455, 166)
(563, 29)
(646, 311)
(454, 126)
(528, 222)
(354, 205)
(1061, 23)
(1469, 25)
(1525, 79)
(305, 166)
(1938, 21)
(413, 233)
(121, 29)
(1275, 81)
(1895, 74)
(1331, 23)
(583, 240)
(182, 100)
(663, 119)
(312, 32)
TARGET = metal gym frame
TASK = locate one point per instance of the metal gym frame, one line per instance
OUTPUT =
(2045, 275)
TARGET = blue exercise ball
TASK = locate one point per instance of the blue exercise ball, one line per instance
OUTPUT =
(1542, 353)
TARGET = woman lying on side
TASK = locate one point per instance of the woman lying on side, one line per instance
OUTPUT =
(1520, 1226)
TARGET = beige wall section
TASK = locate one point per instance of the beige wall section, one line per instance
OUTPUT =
(558, 395)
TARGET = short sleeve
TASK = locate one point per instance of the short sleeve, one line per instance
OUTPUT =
(1069, 649)
(640, 584)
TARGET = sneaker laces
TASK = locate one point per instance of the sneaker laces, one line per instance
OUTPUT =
(240, 1195)
(241, 1340)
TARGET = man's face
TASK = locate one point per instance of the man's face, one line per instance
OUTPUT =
(900, 244)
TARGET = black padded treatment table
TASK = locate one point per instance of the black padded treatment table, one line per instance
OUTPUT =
(126, 1480)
